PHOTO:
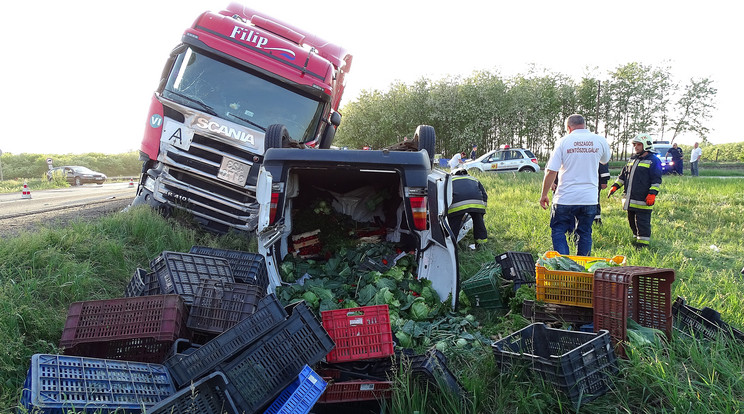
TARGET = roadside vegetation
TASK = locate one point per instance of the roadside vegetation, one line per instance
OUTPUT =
(697, 226)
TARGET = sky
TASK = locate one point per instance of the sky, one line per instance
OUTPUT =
(78, 75)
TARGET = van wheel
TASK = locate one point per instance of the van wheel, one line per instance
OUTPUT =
(276, 136)
(427, 140)
(474, 171)
(527, 169)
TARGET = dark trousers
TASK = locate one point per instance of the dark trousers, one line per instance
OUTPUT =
(679, 166)
(479, 226)
(640, 225)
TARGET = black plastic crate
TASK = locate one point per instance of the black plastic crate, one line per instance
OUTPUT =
(432, 368)
(260, 373)
(181, 273)
(247, 267)
(136, 284)
(185, 368)
(209, 395)
(581, 364)
(553, 312)
(517, 266)
(705, 323)
(218, 305)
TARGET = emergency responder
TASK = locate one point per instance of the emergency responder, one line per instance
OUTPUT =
(604, 177)
(468, 196)
(641, 177)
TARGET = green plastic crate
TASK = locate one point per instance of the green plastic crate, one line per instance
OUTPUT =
(484, 289)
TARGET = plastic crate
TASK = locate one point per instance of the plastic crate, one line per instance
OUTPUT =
(136, 284)
(705, 323)
(356, 390)
(359, 333)
(565, 287)
(181, 273)
(431, 367)
(300, 396)
(209, 395)
(261, 372)
(220, 305)
(246, 267)
(580, 364)
(640, 293)
(551, 312)
(185, 368)
(517, 266)
(484, 288)
(56, 384)
(135, 329)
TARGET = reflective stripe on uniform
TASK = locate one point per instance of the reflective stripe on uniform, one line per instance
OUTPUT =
(640, 204)
(466, 204)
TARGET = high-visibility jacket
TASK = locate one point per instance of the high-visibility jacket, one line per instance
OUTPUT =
(641, 176)
(468, 195)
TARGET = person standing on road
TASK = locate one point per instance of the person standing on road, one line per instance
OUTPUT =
(473, 152)
(695, 155)
(641, 177)
(468, 196)
(575, 161)
(677, 155)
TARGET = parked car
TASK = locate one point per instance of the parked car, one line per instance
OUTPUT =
(77, 175)
(505, 160)
(661, 148)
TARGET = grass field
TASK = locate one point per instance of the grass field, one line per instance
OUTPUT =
(697, 231)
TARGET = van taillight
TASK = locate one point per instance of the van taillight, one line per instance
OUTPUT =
(272, 207)
(418, 207)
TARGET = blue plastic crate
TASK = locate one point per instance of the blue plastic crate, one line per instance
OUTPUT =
(58, 383)
(301, 395)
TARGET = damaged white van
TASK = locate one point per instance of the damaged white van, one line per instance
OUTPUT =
(400, 191)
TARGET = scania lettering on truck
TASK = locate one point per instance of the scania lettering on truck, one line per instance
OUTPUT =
(238, 84)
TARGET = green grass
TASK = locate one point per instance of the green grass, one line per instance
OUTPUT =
(42, 273)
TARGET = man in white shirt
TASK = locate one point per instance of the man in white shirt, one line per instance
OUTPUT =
(575, 160)
(455, 161)
(695, 155)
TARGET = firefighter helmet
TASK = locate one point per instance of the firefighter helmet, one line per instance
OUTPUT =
(645, 139)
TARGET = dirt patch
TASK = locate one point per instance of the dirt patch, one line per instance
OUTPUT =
(49, 219)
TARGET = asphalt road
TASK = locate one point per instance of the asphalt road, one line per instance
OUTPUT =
(57, 207)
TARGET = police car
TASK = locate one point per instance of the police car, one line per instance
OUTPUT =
(504, 159)
(661, 148)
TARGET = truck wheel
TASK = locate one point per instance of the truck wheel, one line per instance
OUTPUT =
(426, 140)
(276, 136)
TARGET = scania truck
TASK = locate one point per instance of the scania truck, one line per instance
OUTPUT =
(239, 83)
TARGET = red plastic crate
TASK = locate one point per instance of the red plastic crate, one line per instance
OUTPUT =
(359, 333)
(357, 390)
(137, 328)
(637, 292)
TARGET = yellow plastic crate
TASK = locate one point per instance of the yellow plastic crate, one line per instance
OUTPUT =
(563, 287)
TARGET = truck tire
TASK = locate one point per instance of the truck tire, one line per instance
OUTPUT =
(427, 140)
(276, 136)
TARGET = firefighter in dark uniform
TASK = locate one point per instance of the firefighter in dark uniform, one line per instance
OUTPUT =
(641, 177)
(604, 177)
(468, 196)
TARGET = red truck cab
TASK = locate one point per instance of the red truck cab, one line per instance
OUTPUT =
(239, 83)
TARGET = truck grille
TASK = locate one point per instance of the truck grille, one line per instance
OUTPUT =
(189, 182)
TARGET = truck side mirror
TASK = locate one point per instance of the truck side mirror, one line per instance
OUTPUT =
(335, 118)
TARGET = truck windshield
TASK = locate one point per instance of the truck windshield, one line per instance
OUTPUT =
(212, 86)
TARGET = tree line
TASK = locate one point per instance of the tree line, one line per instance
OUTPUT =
(35, 166)
(489, 110)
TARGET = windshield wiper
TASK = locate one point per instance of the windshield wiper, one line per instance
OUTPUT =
(247, 120)
(201, 103)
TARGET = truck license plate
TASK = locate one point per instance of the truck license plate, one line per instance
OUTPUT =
(234, 171)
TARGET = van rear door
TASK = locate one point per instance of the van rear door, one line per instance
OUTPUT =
(438, 260)
(267, 233)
